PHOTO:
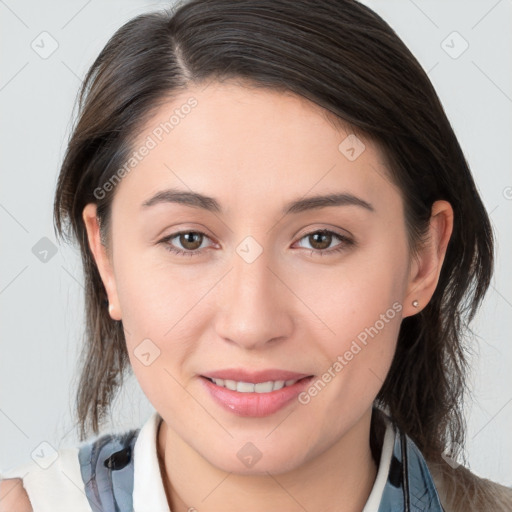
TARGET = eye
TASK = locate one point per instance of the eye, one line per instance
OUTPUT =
(190, 240)
(320, 240)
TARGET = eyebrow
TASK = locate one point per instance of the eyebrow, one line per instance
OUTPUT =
(196, 200)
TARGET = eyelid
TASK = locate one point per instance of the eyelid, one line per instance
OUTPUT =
(345, 233)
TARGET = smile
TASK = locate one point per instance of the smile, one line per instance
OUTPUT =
(249, 387)
(254, 399)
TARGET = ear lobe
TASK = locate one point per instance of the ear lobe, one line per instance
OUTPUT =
(427, 264)
(101, 258)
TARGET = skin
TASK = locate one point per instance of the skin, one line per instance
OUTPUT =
(254, 150)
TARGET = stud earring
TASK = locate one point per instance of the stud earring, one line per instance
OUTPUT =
(415, 303)
(110, 308)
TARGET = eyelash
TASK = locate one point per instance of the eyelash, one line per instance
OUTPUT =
(345, 242)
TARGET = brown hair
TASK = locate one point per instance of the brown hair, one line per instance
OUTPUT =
(342, 56)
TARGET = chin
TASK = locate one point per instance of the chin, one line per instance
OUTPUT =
(248, 458)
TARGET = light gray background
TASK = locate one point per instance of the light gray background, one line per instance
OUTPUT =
(41, 303)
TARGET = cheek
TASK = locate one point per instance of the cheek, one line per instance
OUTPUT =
(158, 333)
(363, 320)
(162, 313)
(152, 294)
(364, 292)
(361, 310)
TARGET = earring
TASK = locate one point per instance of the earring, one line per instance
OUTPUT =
(415, 303)
(110, 308)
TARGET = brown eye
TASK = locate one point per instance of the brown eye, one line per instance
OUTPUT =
(185, 243)
(320, 240)
(190, 240)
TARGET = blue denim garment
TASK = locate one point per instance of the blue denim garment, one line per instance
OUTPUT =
(106, 465)
(409, 487)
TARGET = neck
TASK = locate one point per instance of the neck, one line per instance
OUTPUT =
(339, 479)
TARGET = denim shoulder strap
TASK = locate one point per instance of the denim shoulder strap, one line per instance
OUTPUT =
(106, 464)
(410, 487)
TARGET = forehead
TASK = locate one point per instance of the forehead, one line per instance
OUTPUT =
(246, 145)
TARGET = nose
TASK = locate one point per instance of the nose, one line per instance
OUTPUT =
(254, 305)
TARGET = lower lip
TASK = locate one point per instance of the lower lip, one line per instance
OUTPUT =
(255, 404)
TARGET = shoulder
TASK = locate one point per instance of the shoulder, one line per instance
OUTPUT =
(13, 496)
(460, 490)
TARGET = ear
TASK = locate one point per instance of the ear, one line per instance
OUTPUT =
(102, 259)
(426, 265)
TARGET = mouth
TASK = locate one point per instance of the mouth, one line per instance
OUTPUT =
(255, 399)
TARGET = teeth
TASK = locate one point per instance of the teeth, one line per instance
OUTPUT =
(249, 387)
(245, 387)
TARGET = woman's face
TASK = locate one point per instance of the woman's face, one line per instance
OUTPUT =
(259, 287)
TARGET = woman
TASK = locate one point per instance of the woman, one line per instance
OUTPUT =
(282, 238)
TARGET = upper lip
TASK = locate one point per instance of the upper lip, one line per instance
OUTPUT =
(255, 377)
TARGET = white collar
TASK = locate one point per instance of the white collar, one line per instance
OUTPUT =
(373, 502)
(148, 487)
